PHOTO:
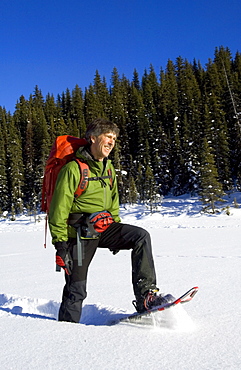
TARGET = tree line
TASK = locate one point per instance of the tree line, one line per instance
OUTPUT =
(180, 132)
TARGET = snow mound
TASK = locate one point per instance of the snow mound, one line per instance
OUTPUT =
(29, 307)
(95, 314)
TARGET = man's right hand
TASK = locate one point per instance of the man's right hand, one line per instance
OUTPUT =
(63, 257)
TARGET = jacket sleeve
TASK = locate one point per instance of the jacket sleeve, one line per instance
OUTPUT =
(62, 200)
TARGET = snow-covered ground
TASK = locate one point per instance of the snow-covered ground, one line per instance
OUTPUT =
(190, 249)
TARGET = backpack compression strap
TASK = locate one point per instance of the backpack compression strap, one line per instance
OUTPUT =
(84, 170)
(96, 178)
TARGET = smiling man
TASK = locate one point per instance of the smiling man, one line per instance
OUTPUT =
(79, 225)
(102, 145)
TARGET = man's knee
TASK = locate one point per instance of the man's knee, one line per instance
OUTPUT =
(142, 236)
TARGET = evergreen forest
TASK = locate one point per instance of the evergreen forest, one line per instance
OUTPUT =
(180, 132)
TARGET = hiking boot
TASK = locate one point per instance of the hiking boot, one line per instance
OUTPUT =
(151, 300)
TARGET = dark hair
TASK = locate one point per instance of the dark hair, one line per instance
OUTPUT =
(101, 126)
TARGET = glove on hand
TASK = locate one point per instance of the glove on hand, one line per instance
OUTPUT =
(63, 257)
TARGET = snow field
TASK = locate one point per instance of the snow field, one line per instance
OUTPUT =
(189, 249)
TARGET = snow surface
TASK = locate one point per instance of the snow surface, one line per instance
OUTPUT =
(189, 248)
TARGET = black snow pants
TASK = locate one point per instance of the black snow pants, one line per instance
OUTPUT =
(118, 236)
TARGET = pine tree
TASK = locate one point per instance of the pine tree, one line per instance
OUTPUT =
(102, 95)
(169, 98)
(135, 80)
(211, 191)
(150, 93)
(15, 168)
(117, 111)
(179, 173)
(151, 127)
(67, 107)
(3, 162)
(135, 124)
(78, 110)
(162, 171)
(72, 128)
(140, 182)
(50, 112)
(59, 123)
(29, 166)
(21, 116)
(188, 124)
(199, 74)
(23, 122)
(132, 191)
(218, 127)
(42, 143)
(92, 106)
(150, 189)
(170, 120)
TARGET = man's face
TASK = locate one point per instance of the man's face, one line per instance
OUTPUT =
(102, 145)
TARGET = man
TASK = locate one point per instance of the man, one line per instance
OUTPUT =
(100, 198)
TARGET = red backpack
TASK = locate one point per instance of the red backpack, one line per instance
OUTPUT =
(62, 152)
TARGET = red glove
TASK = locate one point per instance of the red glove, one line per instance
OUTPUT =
(63, 257)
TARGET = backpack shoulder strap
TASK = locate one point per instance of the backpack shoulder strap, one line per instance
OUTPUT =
(84, 173)
(84, 177)
(110, 177)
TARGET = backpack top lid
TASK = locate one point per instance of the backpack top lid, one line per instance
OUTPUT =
(66, 145)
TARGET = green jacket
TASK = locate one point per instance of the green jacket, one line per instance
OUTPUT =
(98, 196)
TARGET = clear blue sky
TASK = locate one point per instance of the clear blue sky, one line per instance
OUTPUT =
(58, 44)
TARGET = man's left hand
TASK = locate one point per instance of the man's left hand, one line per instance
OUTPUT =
(63, 257)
